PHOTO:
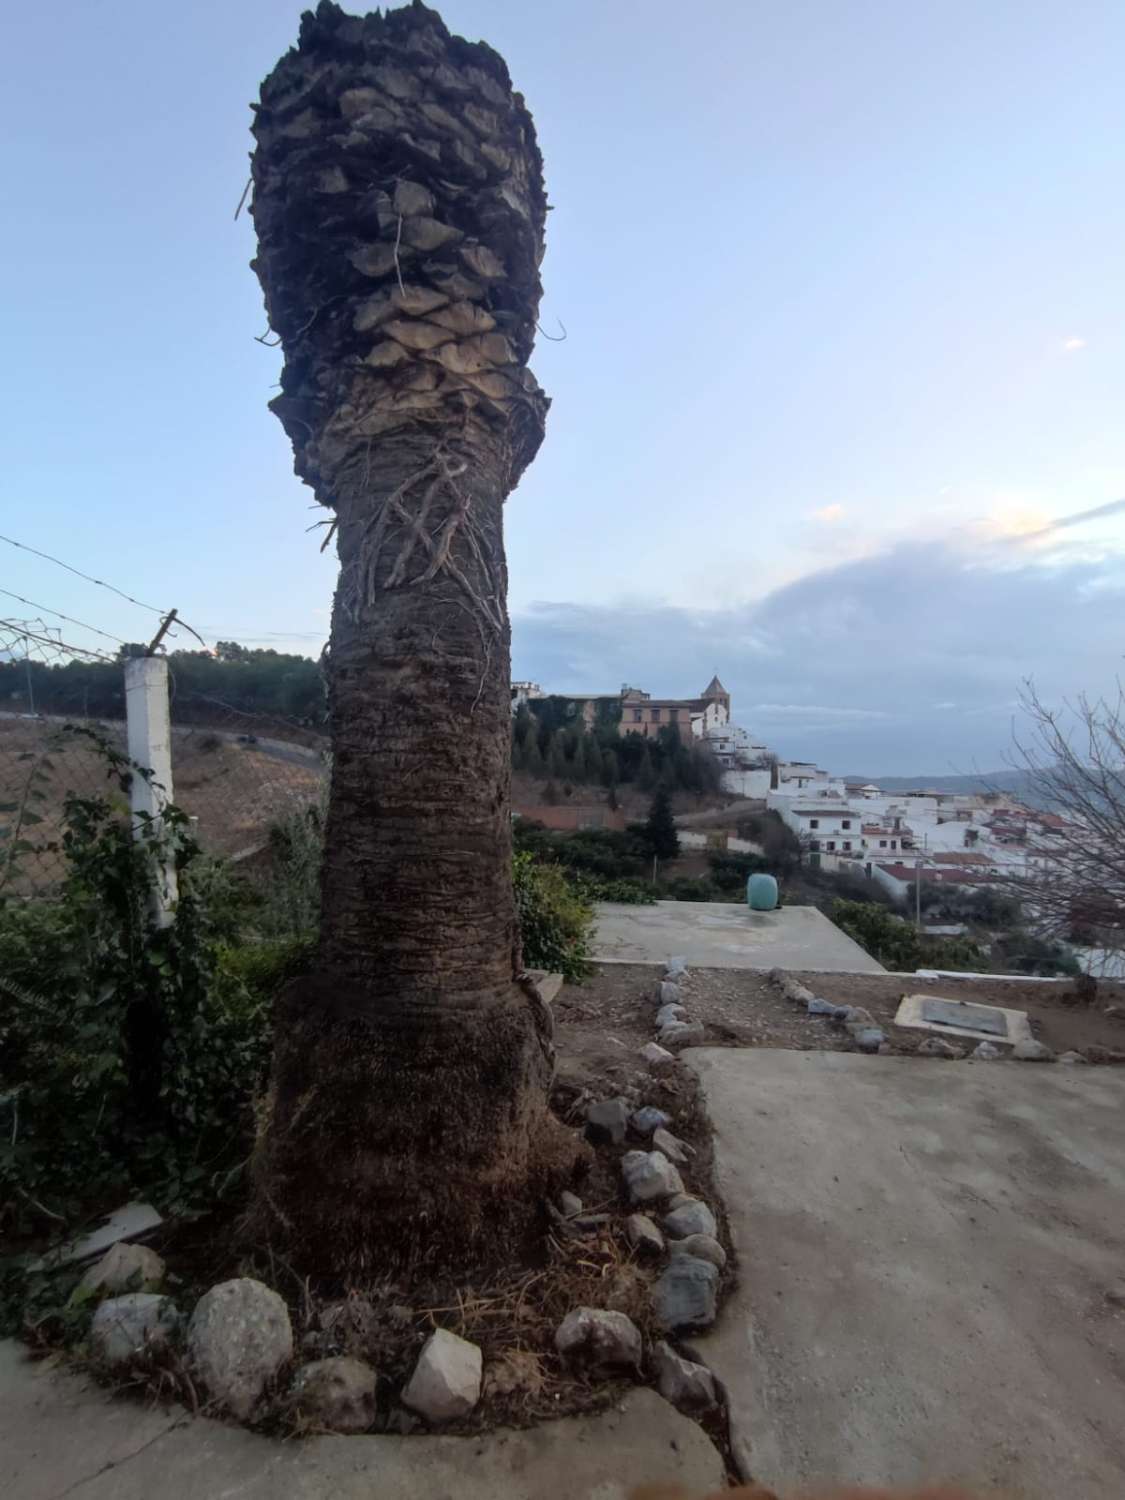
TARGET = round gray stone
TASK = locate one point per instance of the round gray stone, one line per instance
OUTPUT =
(688, 1386)
(600, 1337)
(703, 1247)
(124, 1268)
(336, 1394)
(684, 1295)
(1032, 1052)
(645, 1121)
(132, 1327)
(239, 1337)
(649, 1175)
(690, 1218)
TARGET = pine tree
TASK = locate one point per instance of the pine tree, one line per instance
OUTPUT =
(661, 826)
(556, 757)
(646, 775)
(533, 757)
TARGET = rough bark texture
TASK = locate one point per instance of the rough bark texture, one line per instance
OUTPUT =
(399, 206)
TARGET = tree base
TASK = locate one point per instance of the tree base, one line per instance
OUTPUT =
(406, 1133)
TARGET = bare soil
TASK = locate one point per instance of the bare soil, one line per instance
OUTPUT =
(601, 1023)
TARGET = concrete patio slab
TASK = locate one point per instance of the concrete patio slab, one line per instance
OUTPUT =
(60, 1435)
(931, 1257)
(723, 935)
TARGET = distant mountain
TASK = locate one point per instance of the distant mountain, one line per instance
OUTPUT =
(1014, 783)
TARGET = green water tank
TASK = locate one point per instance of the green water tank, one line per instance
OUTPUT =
(761, 892)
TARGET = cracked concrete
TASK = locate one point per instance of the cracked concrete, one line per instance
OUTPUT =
(61, 1436)
(928, 1258)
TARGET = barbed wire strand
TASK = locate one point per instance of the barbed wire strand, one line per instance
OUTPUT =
(32, 604)
(19, 628)
(78, 573)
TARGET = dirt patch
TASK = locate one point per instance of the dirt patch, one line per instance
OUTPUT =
(602, 1023)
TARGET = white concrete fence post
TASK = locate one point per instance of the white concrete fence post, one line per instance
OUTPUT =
(149, 732)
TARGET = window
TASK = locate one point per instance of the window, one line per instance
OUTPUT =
(673, 714)
(814, 822)
(831, 844)
(883, 844)
(847, 842)
(655, 715)
(638, 715)
(846, 823)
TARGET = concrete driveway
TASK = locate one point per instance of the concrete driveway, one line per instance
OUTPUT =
(932, 1270)
(726, 935)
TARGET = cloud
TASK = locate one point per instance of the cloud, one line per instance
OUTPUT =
(857, 665)
(1070, 345)
(828, 515)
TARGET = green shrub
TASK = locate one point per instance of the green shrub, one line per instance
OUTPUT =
(555, 922)
(898, 945)
(625, 890)
(684, 888)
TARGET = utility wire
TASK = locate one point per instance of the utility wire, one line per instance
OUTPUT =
(60, 616)
(78, 573)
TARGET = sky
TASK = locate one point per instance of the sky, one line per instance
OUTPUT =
(838, 413)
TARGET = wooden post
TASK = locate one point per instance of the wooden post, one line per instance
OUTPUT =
(150, 745)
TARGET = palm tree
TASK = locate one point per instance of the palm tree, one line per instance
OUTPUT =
(400, 209)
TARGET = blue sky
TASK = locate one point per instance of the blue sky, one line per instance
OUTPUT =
(842, 284)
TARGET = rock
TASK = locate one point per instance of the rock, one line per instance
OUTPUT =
(668, 993)
(643, 1235)
(607, 1121)
(658, 1058)
(675, 967)
(649, 1175)
(570, 1204)
(130, 1327)
(683, 1297)
(673, 1149)
(885, 1049)
(668, 1014)
(688, 1386)
(693, 1217)
(868, 1038)
(1032, 1052)
(1115, 1011)
(446, 1380)
(937, 1046)
(987, 1051)
(855, 1015)
(121, 1269)
(1074, 1058)
(238, 1339)
(818, 1007)
(645, 1121)
(1098, 1054)
(604, 1339)
(677, 1200)
(703, 1247)
(1115, 1294)
(682, 1034)
(336, 1394)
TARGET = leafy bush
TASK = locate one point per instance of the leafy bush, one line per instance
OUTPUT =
(555, 922)
(897, 944)
(128, 1059)
(686, 889)
(591, 851)
(730, 871)
(625, 890)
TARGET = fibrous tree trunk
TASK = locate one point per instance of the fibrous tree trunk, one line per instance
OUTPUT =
(399, 205)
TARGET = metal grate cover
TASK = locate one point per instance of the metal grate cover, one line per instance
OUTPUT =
(960, 1013)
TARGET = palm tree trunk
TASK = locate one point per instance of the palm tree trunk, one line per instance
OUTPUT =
(399, 208)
